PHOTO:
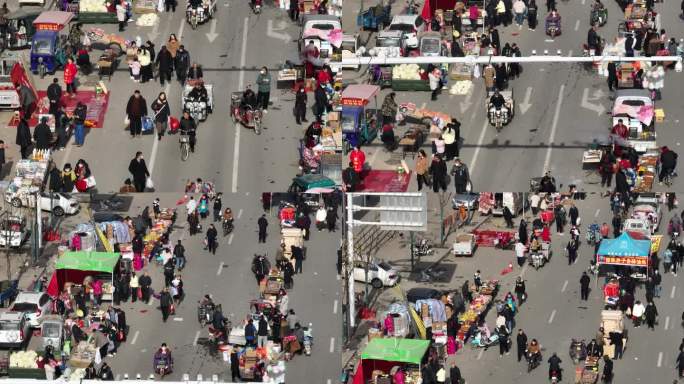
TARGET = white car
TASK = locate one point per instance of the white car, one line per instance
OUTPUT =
(62, 203)
(14, 330)
(379, 274)
(409, 26)
(36, 305)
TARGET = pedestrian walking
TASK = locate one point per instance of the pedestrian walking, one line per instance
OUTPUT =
(70, 73)
(262, 332)
(504, 341)
(438, 172)
(121, 14)
(616, 340)
(584, 286)
(136, 109)
(300, 105)
(657, 280)
(459, 172)
(455, 374)
(638, 311)
(520, 253)
(421, 170)
(54, 95)
(42, 135)
(520, 290)
(179, 255)
(164, 62)
(134, 285)
(263, 82)
(298, 256)
(262, 223)
(617, 225)
(560, 218)
(212, 234)
(477, 280)
(651, 314)
(331, 218)
(571, 248)
(182, 64)
(162, 111)
(138, 169)
(145, 284)
(612, 76)
(680, 357)
(521, 344)
(80, 115)
(165, 303)
(434, 79)
(169, 267)
(217, 206)
(170, 5)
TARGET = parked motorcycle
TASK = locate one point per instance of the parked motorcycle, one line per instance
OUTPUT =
(479, 341)
(227, 227)
(422, 248)
(308, 339)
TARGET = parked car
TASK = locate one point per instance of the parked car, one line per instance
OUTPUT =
(422, 293)
(380, 274)
(409, 25)
(35, 304)
(13, 231)
(62, 203)
(14, 330)
(469, 200)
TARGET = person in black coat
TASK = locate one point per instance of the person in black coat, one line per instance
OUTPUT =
(522, 231)
(494, 37)
(54, 94)
(54, 178)
(521, 344)
(165, 62)
(300, 106)
(182, 64)
(262, 223)
(438, 171)
(322, 104)
(42, 134)
(532, 15)
(455, 374)
(24, 138)
(621, 183)
(612, 76)
(195, 72)
(135, 110)
(138, 169)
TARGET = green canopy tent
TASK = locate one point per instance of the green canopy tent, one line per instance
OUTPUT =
(384, 353)
(74, 267)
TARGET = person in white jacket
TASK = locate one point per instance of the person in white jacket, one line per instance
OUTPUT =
(321, 215)
(637, 313)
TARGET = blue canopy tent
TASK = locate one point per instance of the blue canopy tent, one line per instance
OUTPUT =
(625, 251)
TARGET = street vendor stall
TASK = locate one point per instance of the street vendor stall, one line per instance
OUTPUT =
(157, 235)
(72, 268)
(382, 354)
(28, 179)
(359, 122)
(410, 77)
(612, 322)
(481, 302)
(626, 252)
(20, 28)
(90, 11)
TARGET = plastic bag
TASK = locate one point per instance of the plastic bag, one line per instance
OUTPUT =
(127, 121)
(149, 184)
(476, 72)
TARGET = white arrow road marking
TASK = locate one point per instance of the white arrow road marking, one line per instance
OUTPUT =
(466, 104)
(270, 32)
(599, 109)
(554, 125)
(212, 35)
(525, 105)
(241, 85)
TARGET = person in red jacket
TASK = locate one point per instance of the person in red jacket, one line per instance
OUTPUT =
(358, 159)
(70, 71)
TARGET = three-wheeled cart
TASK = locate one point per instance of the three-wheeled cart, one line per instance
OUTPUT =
(588, 373)
(47, 45)
(464, 245)
(107, 63)
(359, 122)
(501, 117)
(198, 109)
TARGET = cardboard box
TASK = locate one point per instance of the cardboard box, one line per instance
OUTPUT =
(659, 115)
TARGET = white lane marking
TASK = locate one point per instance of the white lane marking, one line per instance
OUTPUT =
(118, 376)
(597, 212)
(329, 381)
(194, 341)
(553, 314)
(155, 142)
(672, 293)
(220, 268)
(660, 359)
(479, 355)
(241, 85)
(480, 140)
(335, 307)
(554, 126)
(577, 25)
(180, 30)
(177, 319)
(584, 1)
(230, 239)
(565, 285)
(239, 214)
(135, 337)
(332, 344)
(667, 322)
(422, 106)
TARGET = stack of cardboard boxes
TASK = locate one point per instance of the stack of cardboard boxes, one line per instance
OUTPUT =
(612, 321)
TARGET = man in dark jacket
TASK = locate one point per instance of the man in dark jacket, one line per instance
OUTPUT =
(554, 366)
(584, 286)
(54, 94)
(42, 134)
(24, 138)
(574, 214)
(521, 343)
(322, 104)
(135, 110)
(145, 282)
(668, 162)
(234, 365)
(455, 374)
(54, 178)
(169, 269)
(262, 223)
(612, 74)
(165, 301)
(182, 64)
(607, 376)
(350, 178)
(262, 333)
(300, 106)
(212, 244)
(298, 255)
(138, 169)
(27, 99)
(460, 174)
(165, 62)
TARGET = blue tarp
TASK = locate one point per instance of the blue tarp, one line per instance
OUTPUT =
(623, 246)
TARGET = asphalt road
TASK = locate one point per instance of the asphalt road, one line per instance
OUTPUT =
(228, 278)
(554, 313)
(231, 51)
(561, 108)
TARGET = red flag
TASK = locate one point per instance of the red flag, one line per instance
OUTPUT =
(426, 13)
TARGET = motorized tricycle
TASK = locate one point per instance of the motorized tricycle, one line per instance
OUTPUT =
(479, 340)
(578, 350)
(245, 115)
(47, 47)
(201, 14)
(359, 123)
(599, 16)
(499, 117)
(552, 25)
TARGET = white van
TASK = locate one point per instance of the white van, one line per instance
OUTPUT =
(380, 274)
(512, 200)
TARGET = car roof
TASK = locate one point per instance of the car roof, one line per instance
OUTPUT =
(29, 297)
(632, 93)
(404, 19)
(423, 293)
(311, 17)
(11, 316)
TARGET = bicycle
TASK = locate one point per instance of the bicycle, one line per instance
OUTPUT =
(184, 141)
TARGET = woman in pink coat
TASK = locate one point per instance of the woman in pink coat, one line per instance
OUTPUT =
(70, 71)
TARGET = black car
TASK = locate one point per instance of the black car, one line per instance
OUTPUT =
(422, 293)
